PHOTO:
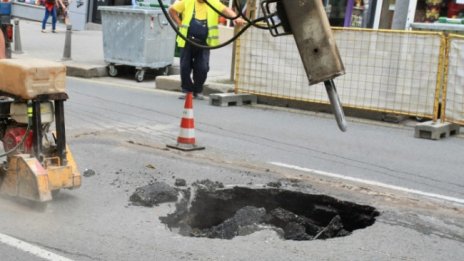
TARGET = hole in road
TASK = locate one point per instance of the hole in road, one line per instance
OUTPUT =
(239, 211)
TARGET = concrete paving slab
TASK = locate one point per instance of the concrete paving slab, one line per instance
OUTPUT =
(85, 70)
(435, 130)
(231, 99)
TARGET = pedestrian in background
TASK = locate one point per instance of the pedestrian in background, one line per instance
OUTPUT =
(200, 23)
(64, 15)
(50, 9)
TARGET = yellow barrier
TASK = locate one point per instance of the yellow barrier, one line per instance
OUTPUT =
(453, 87)
(386, 71)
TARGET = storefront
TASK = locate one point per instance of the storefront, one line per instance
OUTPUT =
(429, 11)
(400, 14)
(439, 15)
(392, 14)
(351, 13)
(34, 10)
(347, 13)
(81, 12)
(377, 14)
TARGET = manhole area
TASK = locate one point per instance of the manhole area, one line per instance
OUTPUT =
(240, 211)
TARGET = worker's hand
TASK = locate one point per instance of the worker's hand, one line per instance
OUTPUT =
(239, 21)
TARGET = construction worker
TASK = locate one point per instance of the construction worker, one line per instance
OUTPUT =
(200, 23)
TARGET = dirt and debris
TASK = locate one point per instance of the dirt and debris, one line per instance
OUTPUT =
(154, 194)
(244, 222)
(180, 183)
(212, 211)
(207, 185)
(88, 173)
(150, 166)
(333, 229)
(295, 227)
(276, 184)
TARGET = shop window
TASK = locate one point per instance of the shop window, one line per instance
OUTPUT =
(455, 9)
(351, 13)
(360, 13)
(336, 12)
(429, 11)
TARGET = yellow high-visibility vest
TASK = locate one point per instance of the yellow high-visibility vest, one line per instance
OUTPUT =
(212, 21)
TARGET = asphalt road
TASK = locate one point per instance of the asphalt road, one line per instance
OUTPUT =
(121, 132)
(386, 153)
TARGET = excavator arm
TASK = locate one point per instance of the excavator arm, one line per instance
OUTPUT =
(307, 21)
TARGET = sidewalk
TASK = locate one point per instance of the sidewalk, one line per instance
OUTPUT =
(87, 58)
(86, 48)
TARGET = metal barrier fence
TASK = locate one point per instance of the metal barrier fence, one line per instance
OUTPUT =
(386, 71)
(453, 88)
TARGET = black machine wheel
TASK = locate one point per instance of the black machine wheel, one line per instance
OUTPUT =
(140, 75)
(112, 71)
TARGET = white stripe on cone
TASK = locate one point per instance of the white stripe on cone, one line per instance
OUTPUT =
(187, 133)
(188, 113)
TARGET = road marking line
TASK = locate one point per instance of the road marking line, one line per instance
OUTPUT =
(370, 182)
(31, 249)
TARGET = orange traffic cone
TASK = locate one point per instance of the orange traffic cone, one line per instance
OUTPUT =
(186, 139)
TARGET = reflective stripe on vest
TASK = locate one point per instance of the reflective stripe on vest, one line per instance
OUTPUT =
(212, 19)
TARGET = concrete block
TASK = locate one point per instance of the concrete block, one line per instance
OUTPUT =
(168, 83)
(230, 99)
(85, 71)
(435, 130)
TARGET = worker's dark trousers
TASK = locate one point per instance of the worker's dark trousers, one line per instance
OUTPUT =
(196, 60)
